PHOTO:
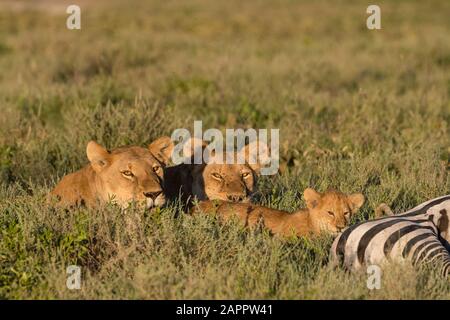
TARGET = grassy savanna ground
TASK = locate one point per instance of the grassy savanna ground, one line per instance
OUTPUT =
(359, 110)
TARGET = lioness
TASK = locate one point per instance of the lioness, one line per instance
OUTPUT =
(327, 212)
(123, 175)
(214, 181)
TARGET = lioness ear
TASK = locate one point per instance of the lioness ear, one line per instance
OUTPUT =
(98, 156)
(357, 200)
(312, 197)
(256, 155)
(162, 149)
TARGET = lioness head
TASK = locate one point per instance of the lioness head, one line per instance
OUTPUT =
(131, 173)
(331, 211)
(235, 182)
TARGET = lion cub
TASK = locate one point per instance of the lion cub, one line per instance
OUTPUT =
(215, 181)
(327, 212)
(122, 175)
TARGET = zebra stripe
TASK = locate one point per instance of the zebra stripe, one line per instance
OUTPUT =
(419, 235)
(395, 237)
(423, 208)
(414, 241)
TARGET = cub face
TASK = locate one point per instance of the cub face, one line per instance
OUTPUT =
(235, 182)
(228, 182)
(331, 211)
(131, 173)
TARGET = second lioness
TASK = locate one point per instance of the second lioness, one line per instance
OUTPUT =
(327, 212)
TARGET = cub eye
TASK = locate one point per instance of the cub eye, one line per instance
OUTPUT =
(156, 168)
(128, 173)
(217, 176)
(331, 213)
(245, 175)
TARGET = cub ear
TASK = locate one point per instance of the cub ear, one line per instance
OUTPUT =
(312, 197)
(162, 149)
(356, 200)
(256, 155)
(98, 156)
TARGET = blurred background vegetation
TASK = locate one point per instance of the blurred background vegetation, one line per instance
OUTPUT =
(358, 110)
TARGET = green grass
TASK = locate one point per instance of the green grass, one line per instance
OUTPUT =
(358, 110)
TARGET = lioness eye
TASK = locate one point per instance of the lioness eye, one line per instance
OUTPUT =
(331, 213)
(127, 173)
(156, 168)
(245, 175)
(217, 176)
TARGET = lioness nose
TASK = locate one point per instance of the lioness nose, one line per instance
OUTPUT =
(152, 195)
(235, 198)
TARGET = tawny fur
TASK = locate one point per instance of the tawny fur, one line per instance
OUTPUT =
(212, 181)
(123, 175)
(329, 212)
(383, 210)
(197, 182)
(78, 188)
